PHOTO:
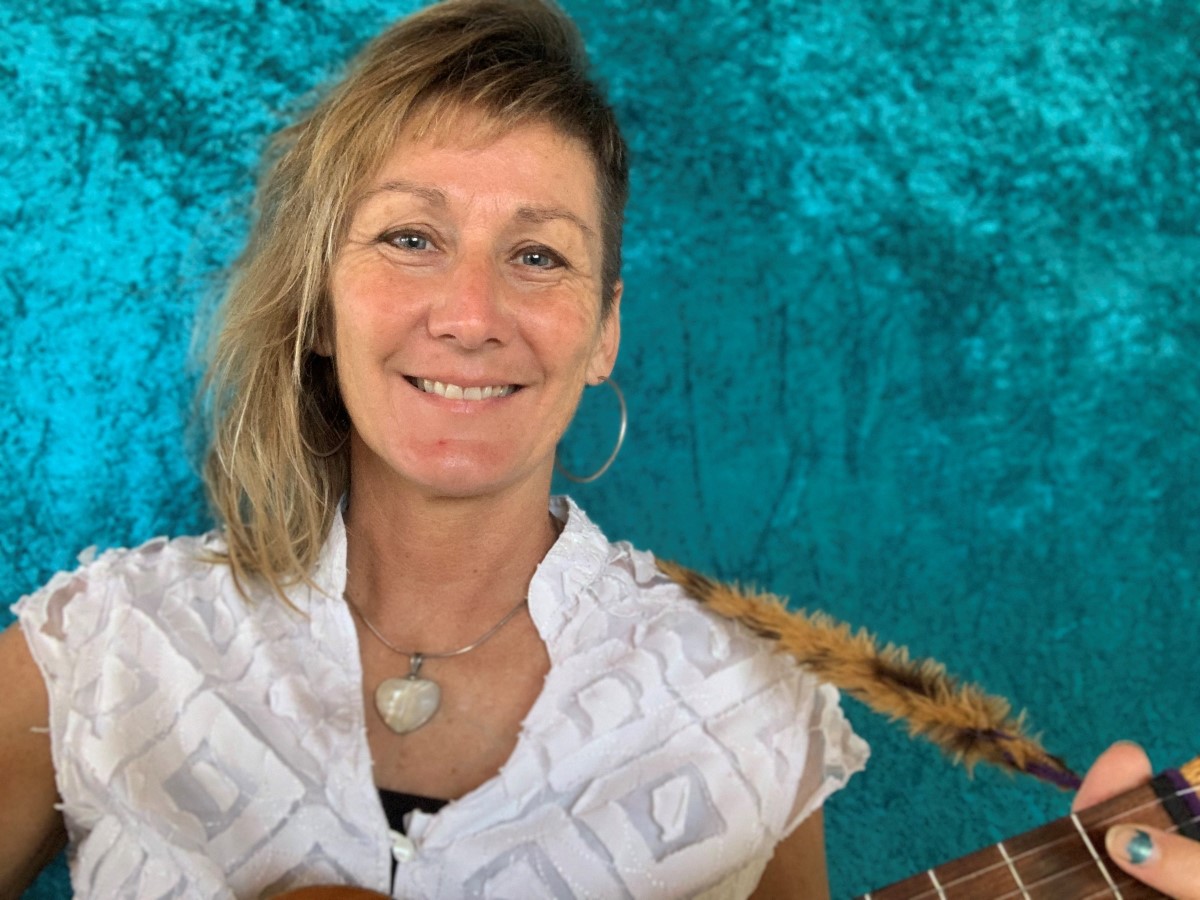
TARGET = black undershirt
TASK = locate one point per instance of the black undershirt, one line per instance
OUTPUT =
(397, 805)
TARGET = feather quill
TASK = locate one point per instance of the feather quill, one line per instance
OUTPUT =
(969, 725)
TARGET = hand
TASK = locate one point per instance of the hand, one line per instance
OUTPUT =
(1167, 862)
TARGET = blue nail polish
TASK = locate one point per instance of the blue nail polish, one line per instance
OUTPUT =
(1139, 848)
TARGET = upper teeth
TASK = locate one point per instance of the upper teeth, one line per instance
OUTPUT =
(455, 392)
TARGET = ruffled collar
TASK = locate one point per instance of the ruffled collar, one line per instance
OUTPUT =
(556, 591)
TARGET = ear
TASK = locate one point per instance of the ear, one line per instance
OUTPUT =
(604, 357)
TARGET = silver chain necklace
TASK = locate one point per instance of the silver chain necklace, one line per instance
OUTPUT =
(405, 704)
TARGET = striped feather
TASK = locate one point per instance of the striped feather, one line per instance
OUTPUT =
(970, 725)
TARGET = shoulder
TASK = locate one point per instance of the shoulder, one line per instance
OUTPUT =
(110, 589)
(634, 632)
(618, 594)
(723, 667)
(157, 563)
(678, 720)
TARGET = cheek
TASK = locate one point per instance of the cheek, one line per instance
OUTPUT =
(364, 307)
(567, 331)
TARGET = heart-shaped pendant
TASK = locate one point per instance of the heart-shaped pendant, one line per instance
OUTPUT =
(405, 704)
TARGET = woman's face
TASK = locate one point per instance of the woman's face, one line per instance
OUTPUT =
(466, 307)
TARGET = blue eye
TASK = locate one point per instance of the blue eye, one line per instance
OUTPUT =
(406, 240)
(540, 258)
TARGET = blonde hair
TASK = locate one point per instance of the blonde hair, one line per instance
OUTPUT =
(277, 460)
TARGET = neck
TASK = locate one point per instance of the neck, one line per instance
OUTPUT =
(427, 570)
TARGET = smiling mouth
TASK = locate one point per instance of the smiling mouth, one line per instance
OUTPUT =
(457, 392)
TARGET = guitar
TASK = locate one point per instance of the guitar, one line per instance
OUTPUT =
(1064, 860)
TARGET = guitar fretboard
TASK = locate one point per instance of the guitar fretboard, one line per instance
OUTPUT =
(1064, 860)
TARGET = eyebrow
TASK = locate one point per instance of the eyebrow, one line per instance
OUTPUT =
(534, 215)
(431, 195)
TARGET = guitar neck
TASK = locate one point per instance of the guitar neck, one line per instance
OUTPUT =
(1064, 860)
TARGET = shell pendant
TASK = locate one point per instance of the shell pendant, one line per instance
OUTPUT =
(405, 704)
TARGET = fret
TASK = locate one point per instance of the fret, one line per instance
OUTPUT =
(1013, 869)
(1043, 855)
(1095, 856)
(1048, 863)
(986, 876)
(1059, 860)
(983, 874)
(936, 886)
(1065, 859)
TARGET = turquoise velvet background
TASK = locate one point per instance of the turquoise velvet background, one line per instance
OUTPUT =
(910, 329)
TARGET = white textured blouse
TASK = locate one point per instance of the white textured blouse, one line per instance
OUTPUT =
(209, 747)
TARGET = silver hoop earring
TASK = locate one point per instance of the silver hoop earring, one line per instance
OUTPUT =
(579, 479)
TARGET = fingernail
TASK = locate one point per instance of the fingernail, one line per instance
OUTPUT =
(1131, 844)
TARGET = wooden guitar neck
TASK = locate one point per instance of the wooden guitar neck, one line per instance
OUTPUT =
(1064, 860)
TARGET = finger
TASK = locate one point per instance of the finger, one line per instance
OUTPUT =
(1169, 863)
(1120, 768)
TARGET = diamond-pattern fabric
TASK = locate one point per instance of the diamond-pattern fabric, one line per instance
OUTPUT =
(210, 747)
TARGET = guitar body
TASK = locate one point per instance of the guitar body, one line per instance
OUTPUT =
(1064, 860)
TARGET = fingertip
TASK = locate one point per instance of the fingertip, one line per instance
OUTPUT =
(1126, 753)
(1121, 767)
(1127, 746)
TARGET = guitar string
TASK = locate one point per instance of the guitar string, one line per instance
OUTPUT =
(1123, 879)
(1091, 848)
(1107, 892)
(1157, 801)
(1071, 836)
(1126, 879)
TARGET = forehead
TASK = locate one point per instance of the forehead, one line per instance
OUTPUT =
(466, 155)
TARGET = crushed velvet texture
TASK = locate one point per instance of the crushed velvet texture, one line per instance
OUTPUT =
(911, 328)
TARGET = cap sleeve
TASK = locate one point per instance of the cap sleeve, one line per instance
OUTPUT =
(51, 618)
(74, 627)
(832, 751)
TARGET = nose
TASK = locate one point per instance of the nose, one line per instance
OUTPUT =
(470, 309)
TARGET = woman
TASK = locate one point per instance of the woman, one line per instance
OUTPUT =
(400, 664)
(394, 602)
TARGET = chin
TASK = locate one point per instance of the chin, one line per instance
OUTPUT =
(460, 469)
(463, 476)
